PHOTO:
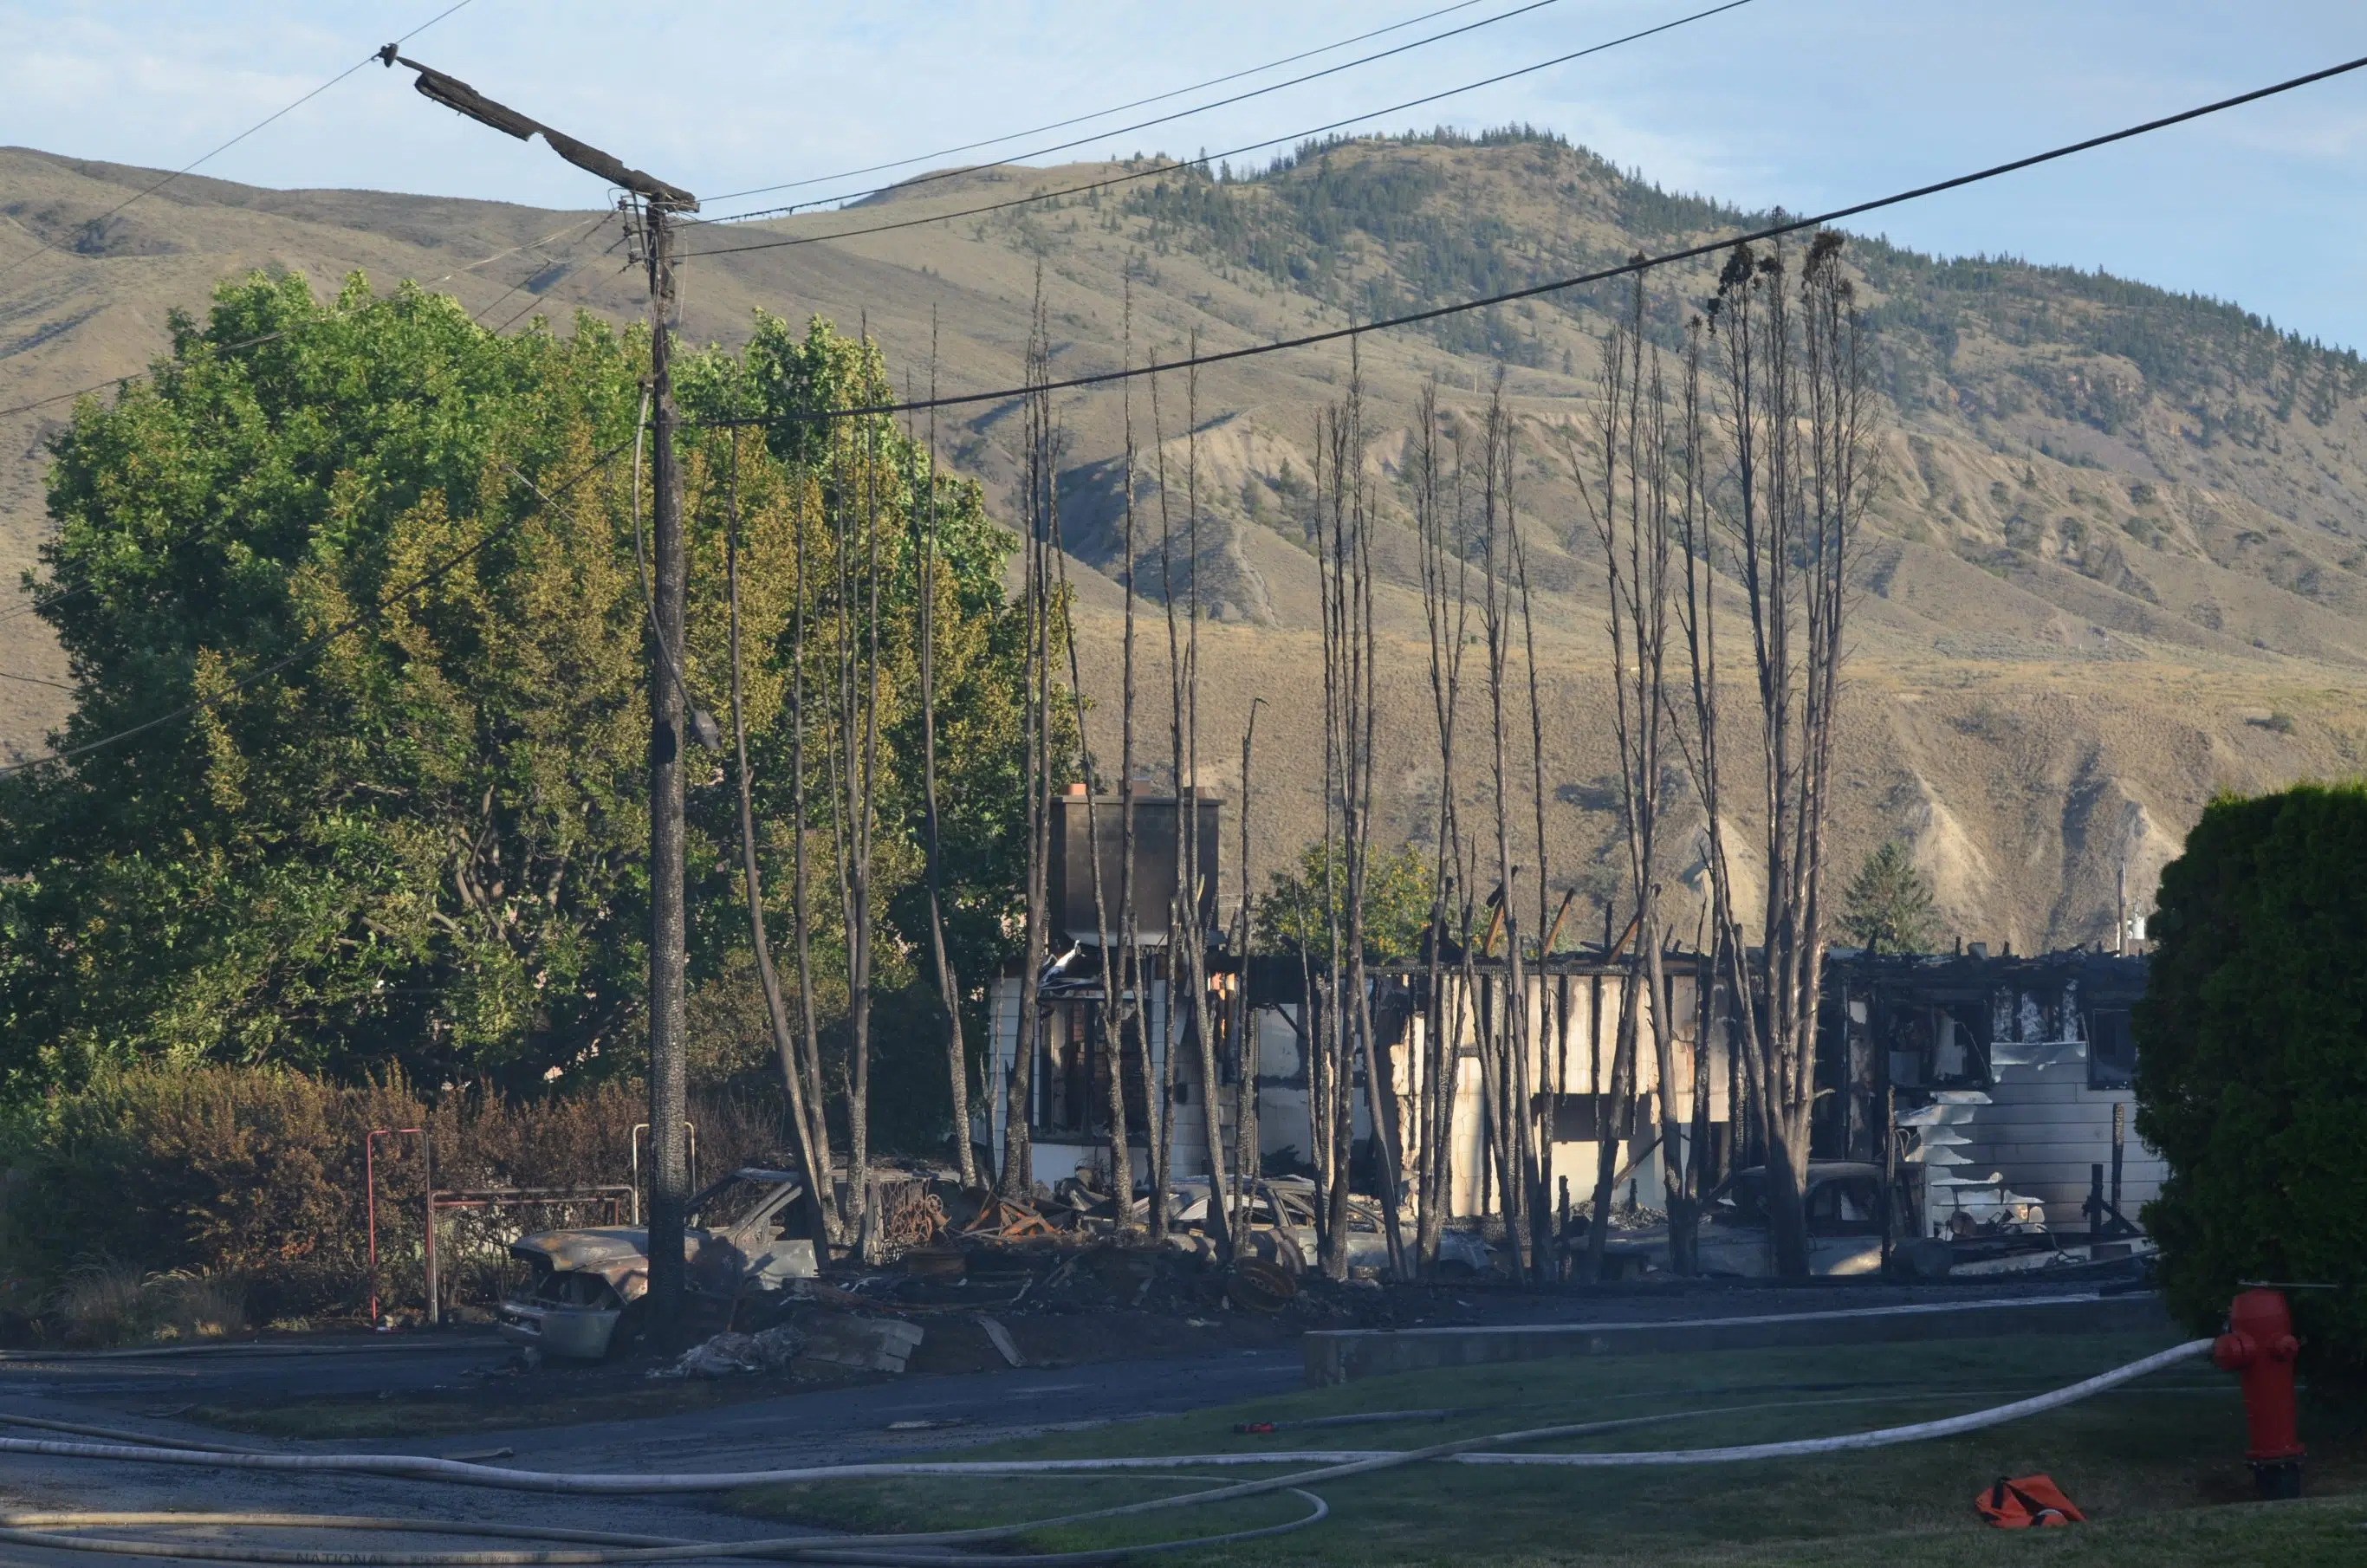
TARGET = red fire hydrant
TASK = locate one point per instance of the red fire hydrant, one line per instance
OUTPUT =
(2260, 1348)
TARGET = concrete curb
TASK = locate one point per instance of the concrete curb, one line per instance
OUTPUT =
(357, 1347)
(1338, 1356)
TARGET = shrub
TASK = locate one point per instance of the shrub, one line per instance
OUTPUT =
(108, 1303)
(2252, 1062)
(161, 1199)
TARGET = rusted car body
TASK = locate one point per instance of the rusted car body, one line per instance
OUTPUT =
(583, 1295)
(1281, 1228)
(1737, 1238)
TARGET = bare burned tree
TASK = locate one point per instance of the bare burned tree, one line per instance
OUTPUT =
(1116, 943)
(1343, 554)
(1630, 512)
(1615, 492)
(1114, 991)
(1697, 617)
(1039, 474)
(1246, 1148)
(1446, 604)
(1551, 1023)
(809, 1132)
(1158, 1076)
(1798, 423)
(854, 774)
(948, 984)
(1328, 1109)
(1358, 716)
(1187, 942)
(1511, 1097)
(800, 911)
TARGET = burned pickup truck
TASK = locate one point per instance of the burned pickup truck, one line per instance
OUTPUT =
(583, 1296)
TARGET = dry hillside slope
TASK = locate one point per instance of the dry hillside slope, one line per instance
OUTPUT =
(2120, 559)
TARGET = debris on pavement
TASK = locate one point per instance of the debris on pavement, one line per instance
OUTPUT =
(999, 1337)
(868, 1344)
(736, 1354)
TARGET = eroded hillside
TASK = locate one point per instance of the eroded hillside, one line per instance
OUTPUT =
(2120, 558)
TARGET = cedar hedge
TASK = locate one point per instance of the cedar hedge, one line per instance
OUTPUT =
(2252, 1065)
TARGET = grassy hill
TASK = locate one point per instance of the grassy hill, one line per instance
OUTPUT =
(2121, 552)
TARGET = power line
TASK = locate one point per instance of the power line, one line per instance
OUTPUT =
(262, 338)
(259, 125)
(902, 186)
(35, 681)
(536, 246)
(1639, 263)
(428, 579)
(1101, 113)
(1208, 158)
(23, 610)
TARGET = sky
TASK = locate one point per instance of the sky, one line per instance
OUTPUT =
(1808, 103)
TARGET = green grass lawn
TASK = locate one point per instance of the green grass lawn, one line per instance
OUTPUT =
(2158, 1466)
(565, 1397)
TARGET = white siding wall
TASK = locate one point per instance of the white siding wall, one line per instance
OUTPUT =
(1282, 1105)
(2045, 1128)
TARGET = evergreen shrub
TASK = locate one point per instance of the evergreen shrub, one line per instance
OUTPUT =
(2252, 1065)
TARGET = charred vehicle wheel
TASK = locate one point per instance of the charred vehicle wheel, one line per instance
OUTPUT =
(632, 1325)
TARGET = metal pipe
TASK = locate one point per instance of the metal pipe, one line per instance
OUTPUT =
(635, 1153)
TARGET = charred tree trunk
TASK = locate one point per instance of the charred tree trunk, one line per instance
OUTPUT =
(1446, 610)
(808, 1131)
(1018, 1154)
(948, 984)
(1631, 513)
(1189, 939)
(1798, 417)
(1246, 1150)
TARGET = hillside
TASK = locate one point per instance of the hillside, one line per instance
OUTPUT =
(2122, 551)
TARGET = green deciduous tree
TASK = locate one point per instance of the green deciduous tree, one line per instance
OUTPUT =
(1290, 915)
(1886, 908)
(2251, 1078)
(422, 845)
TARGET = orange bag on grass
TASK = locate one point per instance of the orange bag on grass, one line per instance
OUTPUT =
(2025, 1502)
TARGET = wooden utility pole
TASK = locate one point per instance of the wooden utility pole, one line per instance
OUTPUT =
(657, 202)
(669, 1161)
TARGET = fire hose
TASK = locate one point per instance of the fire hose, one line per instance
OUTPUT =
(930, 1550)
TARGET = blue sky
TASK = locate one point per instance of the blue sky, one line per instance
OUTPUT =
(1806, 103)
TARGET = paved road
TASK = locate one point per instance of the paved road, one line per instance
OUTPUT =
(845, 1424)
(836, 1425)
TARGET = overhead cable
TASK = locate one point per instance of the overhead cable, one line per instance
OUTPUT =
(1102, 114)
(261, 338)
(903, 185)
(352, 624)
(1206, 159)
(259, 125)
(1636, 264)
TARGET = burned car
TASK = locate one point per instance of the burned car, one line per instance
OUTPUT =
(583, 1296)
(1282, 1229)
(1737, 1240)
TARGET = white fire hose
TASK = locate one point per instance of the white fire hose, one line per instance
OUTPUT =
(898, 1550)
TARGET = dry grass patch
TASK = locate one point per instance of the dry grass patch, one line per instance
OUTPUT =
(108, 1303)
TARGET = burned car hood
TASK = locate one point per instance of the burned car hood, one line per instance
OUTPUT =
(613, 1252)
(587, 1249)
